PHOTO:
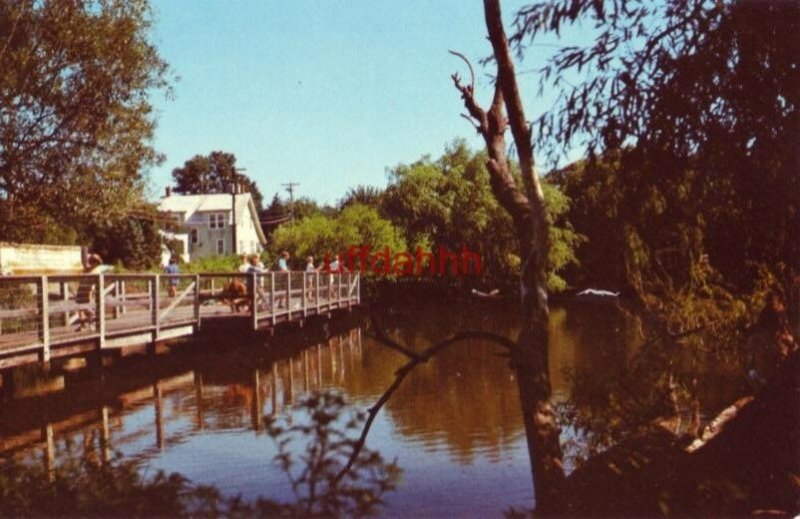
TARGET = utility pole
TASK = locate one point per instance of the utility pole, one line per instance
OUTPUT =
(290, 188)
(234, 191)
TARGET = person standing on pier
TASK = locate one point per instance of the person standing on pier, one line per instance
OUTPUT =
(171, 270)
(253, 270)
(334, 267)
(311, 271)
(244, 266)
(282, 265)
(92, 265)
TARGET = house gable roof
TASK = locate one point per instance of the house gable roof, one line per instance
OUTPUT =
(217, 202)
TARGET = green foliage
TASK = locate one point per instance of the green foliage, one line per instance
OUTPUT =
(690, 195)
(228, 263)
(356, 225)
(174, 246)
(365, 195)
(674, 76)
(672, 246)
(213, 173)
(83, 487)
(449, 202)
(133, 243)
(75, 121)
(564, 240)
(276, 208)
(304, 207)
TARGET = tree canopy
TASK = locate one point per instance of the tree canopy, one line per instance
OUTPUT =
(214, 173)
(75, 119)
(356, 225)
(449, 202)
(690, 114)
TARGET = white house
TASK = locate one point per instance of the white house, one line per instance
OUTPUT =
(207, 223)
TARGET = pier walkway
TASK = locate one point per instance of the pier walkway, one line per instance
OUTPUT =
(46, 317)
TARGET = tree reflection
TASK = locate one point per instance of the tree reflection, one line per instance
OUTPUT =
(83, 484)
(661, 382)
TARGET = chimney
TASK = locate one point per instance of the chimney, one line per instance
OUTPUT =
(168, 191)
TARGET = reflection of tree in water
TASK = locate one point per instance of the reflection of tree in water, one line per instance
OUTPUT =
(81, 485)
(630, 410)
(613, 395)
(469, 406)
(466, 396)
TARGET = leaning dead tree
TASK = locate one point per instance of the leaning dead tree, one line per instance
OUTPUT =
(526, 206)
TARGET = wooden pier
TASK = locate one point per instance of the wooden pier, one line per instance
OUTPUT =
(47, 317)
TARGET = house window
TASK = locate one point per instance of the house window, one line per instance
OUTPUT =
(216, 220)
(220, 247)
(241, 245)
(194, 236)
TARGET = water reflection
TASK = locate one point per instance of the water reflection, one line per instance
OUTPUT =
(231, 391)
(454, 424)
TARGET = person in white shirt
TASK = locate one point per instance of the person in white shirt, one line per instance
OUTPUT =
(245, 265)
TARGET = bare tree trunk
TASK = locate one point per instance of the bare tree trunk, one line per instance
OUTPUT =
(527, 209)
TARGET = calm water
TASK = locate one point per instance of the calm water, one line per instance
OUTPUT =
(454, 425)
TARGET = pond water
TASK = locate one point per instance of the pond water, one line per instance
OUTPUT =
(454, 425)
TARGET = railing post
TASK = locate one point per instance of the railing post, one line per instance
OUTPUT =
(358, 288)
(115, 295)
(306, 291)
(63, 291)
(339, 289)
(44, 312)
(272, 296)
(289, 293)
(254, 299)
(123, 289)
(101, 311)
(197, 300)
(154, 287)
(316, 292)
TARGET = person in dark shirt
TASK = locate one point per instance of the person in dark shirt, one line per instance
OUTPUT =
(173, 268)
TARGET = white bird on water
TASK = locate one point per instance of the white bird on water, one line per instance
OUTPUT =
(598, 293)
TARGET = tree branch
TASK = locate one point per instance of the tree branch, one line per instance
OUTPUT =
(471, 71)
(415, 359)
(472, 122)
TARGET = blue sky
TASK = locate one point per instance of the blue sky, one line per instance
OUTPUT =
(327, 93)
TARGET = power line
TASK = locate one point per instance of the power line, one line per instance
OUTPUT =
(275, 219)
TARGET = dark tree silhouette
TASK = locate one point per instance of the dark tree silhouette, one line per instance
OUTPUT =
(214, 173)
